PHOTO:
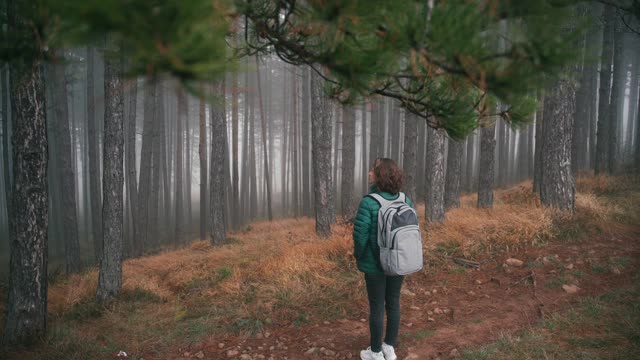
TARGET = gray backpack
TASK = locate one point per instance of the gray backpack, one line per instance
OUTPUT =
(399, 236)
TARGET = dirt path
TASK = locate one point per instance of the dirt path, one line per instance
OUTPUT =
(456, 309)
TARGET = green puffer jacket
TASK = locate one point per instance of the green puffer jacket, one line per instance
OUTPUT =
(365, 242)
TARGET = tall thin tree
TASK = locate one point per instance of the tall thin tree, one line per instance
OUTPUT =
(217, 173)
(321, 153)
(348, 162)
(263, 123)
(486, 174)
(110, 274)
(434, 201)
(202, 152)
(26, 307)
(409, 158)
(453, 175)
(70, 218)
(602, 141)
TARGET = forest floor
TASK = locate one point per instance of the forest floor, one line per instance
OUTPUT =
(276, 291)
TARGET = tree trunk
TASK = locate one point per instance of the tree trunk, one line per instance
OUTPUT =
(264, 142)
(142, 229)
(470, 160)
(70, 217)
(617, 94)
(6, 165)
(557, 185)
(110, 275)
(180, 167)
(434, 201)
(187, 179)
(348, 162)
(485, 175)
(306, 129)
(202, 152)
(253, 162)
(366, 114)
(130, 158)
(579, 148)
(26, 307)
(602, 141)
(321, 153)
(409, 158)
(217, 175)
(284, 144)
(537, 160)
(94, 160)
(454, 169)
(235, 202)
(156, 172)
(637, 152)
(295, 145)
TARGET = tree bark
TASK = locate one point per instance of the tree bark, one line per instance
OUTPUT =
(348, 163)
(94, 160)
(70, 217)
(182, 110)
(264, 142)
(295, 145)
(110, 275)
(557, 185)
(253, 162)
(470, 162)
(434, 202)
(202, 152)
(142, 229)
(306, 129)
(409, 158)
(454, 169)
(321, 153)
(602, 141)
(235, 203)
(217, 175)
(537, 160)
(5, 133)
(26, 307)
(617, 94)
(130, 159)
(156, 171)
(486, 175)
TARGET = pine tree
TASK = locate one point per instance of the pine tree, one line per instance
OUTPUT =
(486, 173)
(604, 117)
(217, 173)
(348, 163)
(453, 175)
(434, 201)
(409, 158)
(26, 307)
(321, 153)
(70, 217)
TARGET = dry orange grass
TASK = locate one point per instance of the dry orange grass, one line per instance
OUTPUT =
(281, 272)
(516, 219)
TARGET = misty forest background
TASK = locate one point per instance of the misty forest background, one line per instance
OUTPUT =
(268, 165)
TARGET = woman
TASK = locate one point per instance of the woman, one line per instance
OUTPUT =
(385, 178)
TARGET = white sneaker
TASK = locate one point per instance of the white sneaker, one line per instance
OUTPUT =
(389, 352)
(370, 355)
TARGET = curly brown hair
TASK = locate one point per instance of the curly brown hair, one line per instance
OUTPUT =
(388, 175)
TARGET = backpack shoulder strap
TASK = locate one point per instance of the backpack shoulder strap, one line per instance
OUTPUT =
(381, 200)
(402, 197)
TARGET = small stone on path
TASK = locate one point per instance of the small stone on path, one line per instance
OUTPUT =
(514, 262)
(232, 353)
(570, 289)
(200, 355)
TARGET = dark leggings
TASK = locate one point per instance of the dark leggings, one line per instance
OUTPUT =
(384, 294)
